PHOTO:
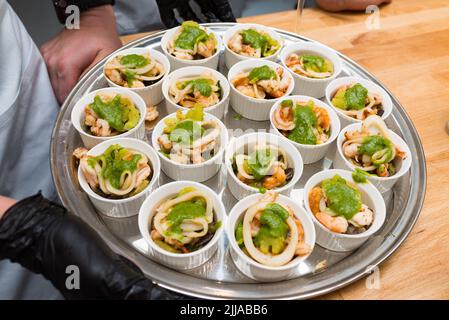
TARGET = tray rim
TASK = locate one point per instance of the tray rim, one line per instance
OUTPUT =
(121, 247)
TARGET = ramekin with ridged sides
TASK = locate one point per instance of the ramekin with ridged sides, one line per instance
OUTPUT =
(232, 57)
(151, 94)
(176, 63)
(127, 207)
(193, 172)
(217, 110)
(89, 140)
(370, 197)
(253, 108)
(383, 184)
(252, 268)
(310, 153)
(346, 120)
(247, 141)
(179, 261)
(311, 86)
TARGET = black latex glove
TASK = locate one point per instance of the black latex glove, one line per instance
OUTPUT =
(44, 238)
(211, 11)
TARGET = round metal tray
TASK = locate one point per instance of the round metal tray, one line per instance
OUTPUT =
(219, 278)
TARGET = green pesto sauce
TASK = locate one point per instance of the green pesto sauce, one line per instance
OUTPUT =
(190, 35)
(187, 131)
(260, 161)
(134, 61)
(113, 165)
(261, 73)
(343, 199)
(316, 63)
(305, 120)
(274, 229)
(121, 114)
(360, 176)
(182, 211)
(195, 114)
(256, 40)
(202, 85)
(379, 148)
(353, 98)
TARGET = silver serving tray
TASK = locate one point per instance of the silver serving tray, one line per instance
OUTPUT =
(219, 278)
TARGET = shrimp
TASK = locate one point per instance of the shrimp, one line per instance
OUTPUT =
(115, 76)
(315, 196)
(165, 142)
(206, 49)
(292, 60)
(241, 80)
(80, 153)
(336, 224)
(351, 149)
(155, 235)
(363, 218)
(143, 174)
(101, 128)
(152, 113)
(323, 119)
(277, 179)
(89, 173)
(235, 43)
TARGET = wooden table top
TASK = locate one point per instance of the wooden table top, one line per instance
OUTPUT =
(410, 55)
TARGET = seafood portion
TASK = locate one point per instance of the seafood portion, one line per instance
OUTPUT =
(134, 70)
(253, 43)
(188, 139)
(203, 89)
(301, 122)
(184, 223)
(192, 42)
(262, 83)
(355, 101)
(337, 205)
(118, 173)
(264, 167)
(109, 115)
(310, 66)
(371, 149)
(270, 233)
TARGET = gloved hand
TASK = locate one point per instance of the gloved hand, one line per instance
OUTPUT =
(212, 10)
(45, 238)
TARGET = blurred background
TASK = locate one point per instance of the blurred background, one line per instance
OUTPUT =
(41, 22)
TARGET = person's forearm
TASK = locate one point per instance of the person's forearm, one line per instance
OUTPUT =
(5, 204)
(354, 5)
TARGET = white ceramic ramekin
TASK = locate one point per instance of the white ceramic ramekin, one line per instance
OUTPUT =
(252, 268)
(90, 140)
(232, 58)
(152, 94)
(239, 189)
(252, 108)
(310, 153)
(384, 184)
(309, 86)
(217, 110)
(370, 197)
(179, 261)
(192, 172)
(335, 84)
(176, 63)
(121, 208)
